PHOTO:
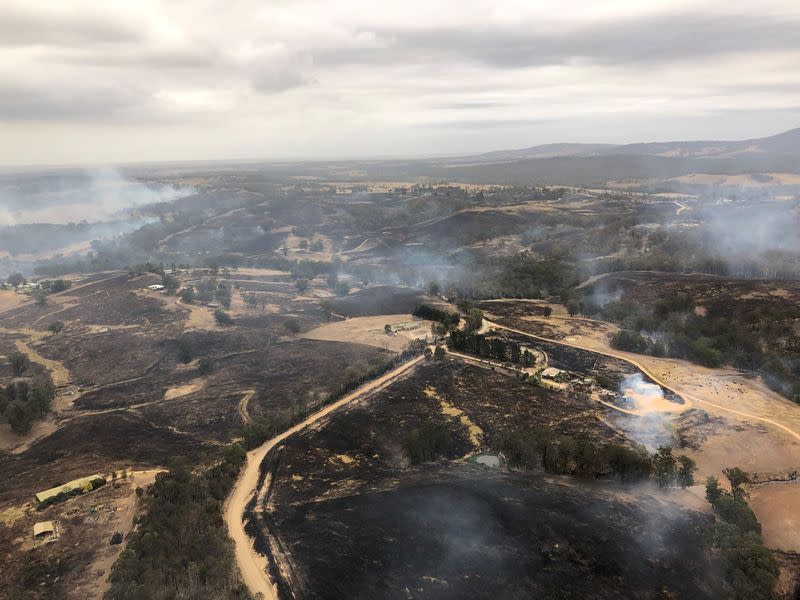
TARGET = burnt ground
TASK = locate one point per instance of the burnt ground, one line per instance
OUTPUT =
(134, 398)
(353, 520)
(380, 300)
(723, 293)
(91, 445)
(70, 565)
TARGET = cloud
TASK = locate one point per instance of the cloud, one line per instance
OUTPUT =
(26, 27)
(630, 42)
(309, 76)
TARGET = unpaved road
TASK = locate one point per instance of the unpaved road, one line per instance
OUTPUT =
(243, 412)
(252, 565)
(687, 396)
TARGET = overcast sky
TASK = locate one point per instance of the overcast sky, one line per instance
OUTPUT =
(100, 82)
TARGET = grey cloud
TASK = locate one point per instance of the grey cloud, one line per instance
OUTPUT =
(642, 41)
(23, 102)
(138, 57)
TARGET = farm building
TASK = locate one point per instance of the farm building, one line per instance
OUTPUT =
(156, 287)
(82, 485)
(551, 373)
(44, 531)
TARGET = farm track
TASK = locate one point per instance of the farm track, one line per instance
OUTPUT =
(648, 373)
(252, 565)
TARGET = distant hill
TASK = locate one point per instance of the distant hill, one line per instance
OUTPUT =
(782, 143)
(595, 164)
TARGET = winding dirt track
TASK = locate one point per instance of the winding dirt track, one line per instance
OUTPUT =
(253, 565)
(643, 369)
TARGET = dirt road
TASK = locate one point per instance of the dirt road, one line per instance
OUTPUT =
(252, 565)
(691, 398)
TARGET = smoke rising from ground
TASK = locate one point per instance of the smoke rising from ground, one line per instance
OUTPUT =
(71, 197)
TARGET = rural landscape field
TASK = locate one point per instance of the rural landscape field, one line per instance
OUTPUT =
(302, 301)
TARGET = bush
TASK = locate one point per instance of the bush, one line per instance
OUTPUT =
(19, 362)
(205, 366)
(222, 318)
(292, 325)
(427, 443)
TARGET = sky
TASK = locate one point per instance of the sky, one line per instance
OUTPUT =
(147, 80)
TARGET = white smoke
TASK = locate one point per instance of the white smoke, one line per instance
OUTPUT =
(92, 196)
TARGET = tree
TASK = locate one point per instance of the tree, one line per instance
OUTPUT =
(19, 362)
(59, 285)
(573, 307)
(40, 297)
(187, 295)
(664, 467)
(713, 491)
(292, 325)
(737, 478)
(547, 311)
(19, 417)
(438, 354)
(250, 299)
(222, 318)
(686, 470)
(301, 285)
(56, 327)
(223, 294)
(16, 279)
(170, 283)
(205, 366)
(387, 329)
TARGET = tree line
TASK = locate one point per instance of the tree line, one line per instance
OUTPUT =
(490, 347)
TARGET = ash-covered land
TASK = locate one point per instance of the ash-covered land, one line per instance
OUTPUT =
(400, 379)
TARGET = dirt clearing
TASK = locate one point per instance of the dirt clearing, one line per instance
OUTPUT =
(778, 508)
(371, 331)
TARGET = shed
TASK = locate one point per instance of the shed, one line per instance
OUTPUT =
(83, 484)
(155, 287)
(43, 529)
(551, 373)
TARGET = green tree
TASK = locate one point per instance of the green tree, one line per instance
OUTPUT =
(223, 294)
(187, 295)
(686, 470)
(664, 467)
(40, 297)
(737, 478)
(292, 325)
(205, 366)
(713, 491)
(16, 280)
(19, 416)
(222, 318)
(170, 283)
(56, 327)
(573, 307)
(19, 362)
(438, 354)
(301, 285)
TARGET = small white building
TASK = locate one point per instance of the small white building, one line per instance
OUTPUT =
(156, 287)
(551, 373)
